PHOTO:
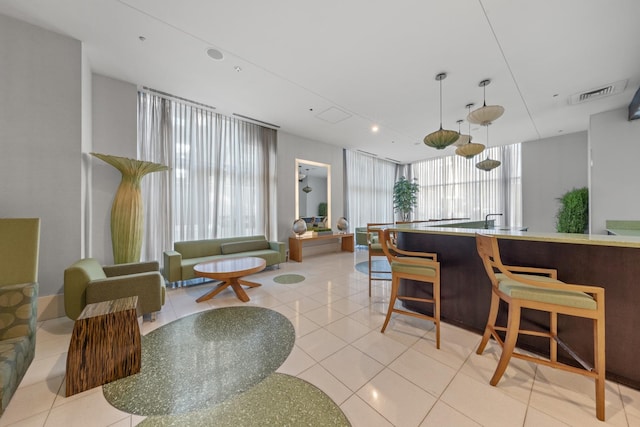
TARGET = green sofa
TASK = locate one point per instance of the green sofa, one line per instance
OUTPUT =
(88, 282)
(19, 249)
(178, 263)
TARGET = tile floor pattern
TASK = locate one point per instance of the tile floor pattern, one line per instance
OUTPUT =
(392, 379)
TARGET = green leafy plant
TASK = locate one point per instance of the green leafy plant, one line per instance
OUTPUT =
(322, 209)
(405, 197)
(573, 215)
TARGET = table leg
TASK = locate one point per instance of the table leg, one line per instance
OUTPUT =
(222, 286)
(295, 249)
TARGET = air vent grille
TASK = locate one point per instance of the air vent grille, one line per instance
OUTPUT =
(594, 93)
(597, 93)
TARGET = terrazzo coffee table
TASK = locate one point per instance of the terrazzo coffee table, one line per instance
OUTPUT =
(230, 271)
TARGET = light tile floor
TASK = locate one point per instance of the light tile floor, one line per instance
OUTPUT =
(397, 378)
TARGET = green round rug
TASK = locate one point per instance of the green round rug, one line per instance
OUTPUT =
(204, 359)
(380, 265)
(287, 279)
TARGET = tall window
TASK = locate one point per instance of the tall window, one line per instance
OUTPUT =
(369, 188)
(452, 187)
(222, 174)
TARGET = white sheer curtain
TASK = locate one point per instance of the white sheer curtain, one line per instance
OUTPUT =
(452, 187)
(222, 181)
(369, 188)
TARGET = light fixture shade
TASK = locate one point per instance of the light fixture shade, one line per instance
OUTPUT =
(441, 138)
(469, 150)
(488, 164)
(485, 115)
(462, 140)
(307, 189)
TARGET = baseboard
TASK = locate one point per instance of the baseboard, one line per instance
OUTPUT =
(50, 307)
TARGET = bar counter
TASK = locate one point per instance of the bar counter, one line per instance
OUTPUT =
(612, 262)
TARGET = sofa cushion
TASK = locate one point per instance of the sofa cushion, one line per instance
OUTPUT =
(246, 246)
(198, 248)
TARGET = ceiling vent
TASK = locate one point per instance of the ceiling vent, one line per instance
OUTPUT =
(333, 115)
(597, 93)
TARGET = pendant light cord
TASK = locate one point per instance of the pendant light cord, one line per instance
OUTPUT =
(484, 95)
(441, 103)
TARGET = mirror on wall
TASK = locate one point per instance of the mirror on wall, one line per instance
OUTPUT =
(313, 191)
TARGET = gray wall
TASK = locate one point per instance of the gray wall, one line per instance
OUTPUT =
(291, 147)
(614, 146)
(41, 141)
(550, 168)
(114, 132)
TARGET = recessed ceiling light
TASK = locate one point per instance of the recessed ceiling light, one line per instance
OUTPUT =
(215, 54)
(375, 128)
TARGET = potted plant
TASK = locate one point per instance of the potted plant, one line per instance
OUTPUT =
(573, 215)
(404, 197)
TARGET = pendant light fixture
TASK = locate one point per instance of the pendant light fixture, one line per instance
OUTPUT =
(486, 114)
(488, 164)
(469, 149)
(441, 138)
(462, 139)
(306, 188)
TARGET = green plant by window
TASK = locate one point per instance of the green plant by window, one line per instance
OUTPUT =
(405, 197)
(573, 215)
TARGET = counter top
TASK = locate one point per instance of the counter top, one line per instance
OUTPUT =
(449, 228)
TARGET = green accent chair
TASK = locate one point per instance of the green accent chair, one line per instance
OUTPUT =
(19, 248)
(534, 288)
(88, 282)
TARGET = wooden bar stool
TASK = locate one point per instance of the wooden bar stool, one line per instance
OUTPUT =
(375, 250)
(419, 266)
(539, 289)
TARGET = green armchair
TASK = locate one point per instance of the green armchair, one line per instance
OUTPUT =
(88, 282)
(19, 248)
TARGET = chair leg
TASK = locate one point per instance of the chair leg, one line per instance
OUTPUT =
(436, 310)
(491, 322)
(513, 327)
(395, 282)
(369, 274)
(599, 362)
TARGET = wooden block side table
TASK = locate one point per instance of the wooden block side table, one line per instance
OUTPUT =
(105, 344)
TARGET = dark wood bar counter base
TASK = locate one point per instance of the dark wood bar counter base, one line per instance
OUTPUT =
(466, 293)
(105, 345)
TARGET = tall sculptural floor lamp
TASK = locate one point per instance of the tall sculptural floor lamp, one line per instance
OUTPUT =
(127, 210)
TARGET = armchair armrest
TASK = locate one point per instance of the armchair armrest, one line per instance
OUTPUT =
(21, 307)
(172, 269)
(280, 247)
(147, 286)
(130, 268)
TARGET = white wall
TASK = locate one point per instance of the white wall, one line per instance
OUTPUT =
(41, 141)
(550, 168)
(614, 146)
(114, 132)
(291, 147)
